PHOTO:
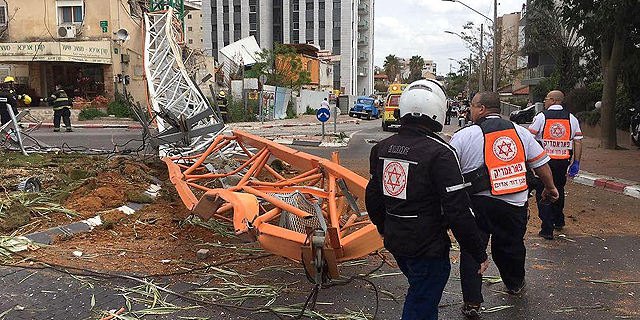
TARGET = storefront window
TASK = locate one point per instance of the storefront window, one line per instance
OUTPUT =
(80, 80)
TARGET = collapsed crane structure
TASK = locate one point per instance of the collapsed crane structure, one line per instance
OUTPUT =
(311, 216)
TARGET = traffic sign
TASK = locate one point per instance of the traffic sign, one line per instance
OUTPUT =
(323, 114)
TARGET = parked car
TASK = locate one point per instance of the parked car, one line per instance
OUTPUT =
(523, 116)
(365, 107)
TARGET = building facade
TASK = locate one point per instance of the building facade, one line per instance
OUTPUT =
(73, 43)
(343, 27)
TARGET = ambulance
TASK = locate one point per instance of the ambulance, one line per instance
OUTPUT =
(391, 104)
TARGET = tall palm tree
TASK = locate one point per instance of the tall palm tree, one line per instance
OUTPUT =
(416, 63)
(391, 67)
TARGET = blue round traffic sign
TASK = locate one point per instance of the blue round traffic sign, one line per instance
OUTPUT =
(323, 114)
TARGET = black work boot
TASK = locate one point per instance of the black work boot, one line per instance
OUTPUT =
(471, 310)
(56, 129)
(69, 129)
(548, 236)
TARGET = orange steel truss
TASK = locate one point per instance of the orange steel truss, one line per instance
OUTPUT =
(278, 212)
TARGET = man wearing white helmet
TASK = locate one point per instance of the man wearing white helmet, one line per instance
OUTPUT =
(415, 194)
(494, 156)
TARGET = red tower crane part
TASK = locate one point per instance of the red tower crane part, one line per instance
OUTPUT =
(312, 217)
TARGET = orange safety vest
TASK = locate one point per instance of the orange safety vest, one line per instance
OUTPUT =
(504, 156)
(556, 134)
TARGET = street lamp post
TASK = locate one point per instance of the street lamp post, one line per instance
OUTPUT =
(495, 36)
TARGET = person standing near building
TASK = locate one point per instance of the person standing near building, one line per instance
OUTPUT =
(494, 154)
(325, 104)
(61, 108)
(415, 194)
(559, 133)
(7, 100)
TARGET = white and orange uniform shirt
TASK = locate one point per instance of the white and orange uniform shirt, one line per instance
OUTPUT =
(553, 136)
(470, 146)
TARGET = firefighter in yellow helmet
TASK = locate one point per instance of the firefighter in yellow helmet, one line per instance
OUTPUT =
(223, 104)
(61, 108)
(8, 99)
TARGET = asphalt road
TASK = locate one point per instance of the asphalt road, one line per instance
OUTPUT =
(561, 274)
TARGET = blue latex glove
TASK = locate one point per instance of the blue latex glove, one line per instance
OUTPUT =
(574, 168)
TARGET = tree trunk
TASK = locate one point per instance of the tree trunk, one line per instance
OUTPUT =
(612, 49)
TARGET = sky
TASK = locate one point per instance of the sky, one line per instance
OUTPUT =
(416, 27)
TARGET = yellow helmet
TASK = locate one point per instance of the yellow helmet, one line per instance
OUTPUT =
(26, 99)
(9, 79)
(222, 94)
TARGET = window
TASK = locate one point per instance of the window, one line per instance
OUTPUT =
(253, 18)
(253, 9)
(236, 8)
(321, 5)
(253, 26)
(225, 9)
(296, 25)
(189, 16)
(190, 41)
(336, 5)
(321, 24)
(309, 5)
(296, 7)
(321, 43)
(336, 24)
(237, 27)
(70, 11)
(226, 27)
(189, 28)
(253, 33)
(3, 14)
(309, 24)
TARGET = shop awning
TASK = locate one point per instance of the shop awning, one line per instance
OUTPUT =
(81, 51)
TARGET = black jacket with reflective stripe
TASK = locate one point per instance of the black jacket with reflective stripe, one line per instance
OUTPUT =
(435, 197)
(59, 99)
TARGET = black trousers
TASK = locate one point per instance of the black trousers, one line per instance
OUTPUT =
(65, 114)
(552, 215)
(506, 224)
(4, 112)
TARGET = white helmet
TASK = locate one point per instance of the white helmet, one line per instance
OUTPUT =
(425, 98)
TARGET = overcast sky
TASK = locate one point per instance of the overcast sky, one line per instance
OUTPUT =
(416, 27)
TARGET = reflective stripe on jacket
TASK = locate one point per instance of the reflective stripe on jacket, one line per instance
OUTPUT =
(59, 100)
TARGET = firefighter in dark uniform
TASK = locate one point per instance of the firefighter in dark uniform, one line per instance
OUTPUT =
(223, 105)
(61, 108)
(8, 98)
(415, 194)
(559, 133)
(494, 155)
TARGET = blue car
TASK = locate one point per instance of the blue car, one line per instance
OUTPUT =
(365, 107)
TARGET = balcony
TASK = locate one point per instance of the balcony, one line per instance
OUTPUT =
(363, 56)
(363, 24)
(533, 76)
(362, 72)
(363, 9)
(363, 40)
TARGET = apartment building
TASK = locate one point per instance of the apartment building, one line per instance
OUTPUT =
(343, 27)
(72, 43)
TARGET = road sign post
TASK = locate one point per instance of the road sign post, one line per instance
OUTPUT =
(323, 115)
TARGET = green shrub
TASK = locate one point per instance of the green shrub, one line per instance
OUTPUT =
(291, 111)
(310, 111)
(120, 107)
(236, 112)
(91, 113)
(589, 117)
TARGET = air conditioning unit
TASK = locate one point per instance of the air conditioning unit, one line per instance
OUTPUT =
(66, 32)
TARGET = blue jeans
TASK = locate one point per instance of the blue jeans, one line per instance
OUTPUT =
(427, 278)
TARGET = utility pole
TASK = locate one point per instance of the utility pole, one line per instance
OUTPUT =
(469, 79)
(480, 61)
(495, 47)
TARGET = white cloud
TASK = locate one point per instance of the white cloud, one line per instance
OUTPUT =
(416, 27)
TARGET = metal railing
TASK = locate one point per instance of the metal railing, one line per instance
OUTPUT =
(363, 40)
(363, 8)
(363, 24)
(506, 108)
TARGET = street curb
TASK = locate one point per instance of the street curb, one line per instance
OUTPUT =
(626, 187)
(289, 125)
(48, 236)
(88, 126)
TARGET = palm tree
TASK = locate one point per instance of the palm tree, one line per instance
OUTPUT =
(416, 63)
(391, 67)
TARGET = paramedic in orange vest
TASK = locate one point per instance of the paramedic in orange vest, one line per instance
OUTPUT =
(494, 155)
(559, 133)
